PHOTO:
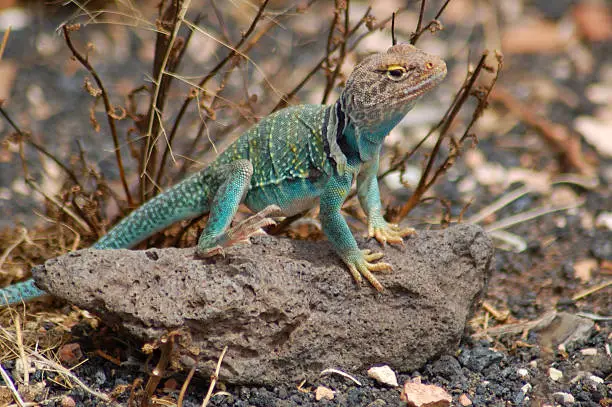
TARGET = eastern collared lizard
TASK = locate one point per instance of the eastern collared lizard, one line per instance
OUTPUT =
(292, 160)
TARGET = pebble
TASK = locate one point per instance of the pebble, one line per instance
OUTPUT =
(383, 374)
(68, 402)
(464, 400)
(604, 220)
(525, 389)
(563, 398)
(522, 372)
(555, 374)
(596, 379)
(589, 351)
(424, 395)
(323, 392)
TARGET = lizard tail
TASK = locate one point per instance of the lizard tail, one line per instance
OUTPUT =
(185, 200)
(23, 291)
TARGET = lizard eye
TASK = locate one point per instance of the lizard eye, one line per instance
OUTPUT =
(396, 73)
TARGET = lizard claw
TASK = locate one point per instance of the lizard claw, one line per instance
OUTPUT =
(211, 252)
(241, 233)
(359, 265)
(389, 232)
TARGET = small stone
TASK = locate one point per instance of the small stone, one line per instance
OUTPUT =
(563, 398)
(171, 384)
(604, 220)
(525, 389)
(533, 364)
(383, 374)
(589, 351)
(522, 372)
(323, 392)
(425, 395)
(464, 400)
(555, 374)
(68, 402)
(583, 269)
(70, 353)
(596, 379)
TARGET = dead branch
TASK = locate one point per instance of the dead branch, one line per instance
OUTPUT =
(108, 107)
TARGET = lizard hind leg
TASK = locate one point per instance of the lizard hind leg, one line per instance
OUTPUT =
(217, 234)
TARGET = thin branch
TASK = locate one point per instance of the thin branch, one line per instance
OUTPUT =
(159, 95)
(288, 96)
(444, 125)
(11, 386)
(214, 378)
(342, 54)
(25, 137)
(233, 52)
(109, 111)
(168, 149)
(433, 25)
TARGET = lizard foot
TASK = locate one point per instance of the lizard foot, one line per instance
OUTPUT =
(241, 233)
(389, 232)
(359, 265)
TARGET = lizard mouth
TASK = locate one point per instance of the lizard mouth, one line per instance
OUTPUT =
(426, 85)
(415, 92)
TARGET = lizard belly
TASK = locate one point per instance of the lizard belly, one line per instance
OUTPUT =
(292, 196)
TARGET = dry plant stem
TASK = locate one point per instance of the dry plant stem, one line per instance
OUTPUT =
(5, 38)
(107, 107)
(287, 96)
(528, 215)
(425, 182)
(181, 397)
(158, 372)
(342, 53)
(214, 378)
(23, 237)
(170, 140)
(213, 105)
(38, 147)
(591, 290)
(61, 206)
(233, 52)
(7, 380)
(513, 329)
(556, 135)
(341, 373)
(420, 30)
(178, 10)
(25, 362)
(41, 360)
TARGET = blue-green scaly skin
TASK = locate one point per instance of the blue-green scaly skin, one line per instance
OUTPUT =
(296, 158)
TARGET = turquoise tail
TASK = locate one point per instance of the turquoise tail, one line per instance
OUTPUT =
(23, 291)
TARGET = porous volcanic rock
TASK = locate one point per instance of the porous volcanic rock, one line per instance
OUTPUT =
(286, 309)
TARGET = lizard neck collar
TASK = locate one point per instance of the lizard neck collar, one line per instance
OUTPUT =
(348, 135)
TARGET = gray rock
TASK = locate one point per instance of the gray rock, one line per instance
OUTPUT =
(286, 309)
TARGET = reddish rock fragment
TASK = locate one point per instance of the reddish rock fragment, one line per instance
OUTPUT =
(425, 395)
(70, 353)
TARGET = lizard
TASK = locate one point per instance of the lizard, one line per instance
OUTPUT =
(290, 161)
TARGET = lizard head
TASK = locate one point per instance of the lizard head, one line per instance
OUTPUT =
(384, 87)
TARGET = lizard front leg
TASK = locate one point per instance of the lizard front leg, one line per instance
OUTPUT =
(217, 234)
(369, 198)
(338, 233)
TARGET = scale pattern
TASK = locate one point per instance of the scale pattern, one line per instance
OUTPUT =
(295, 159)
